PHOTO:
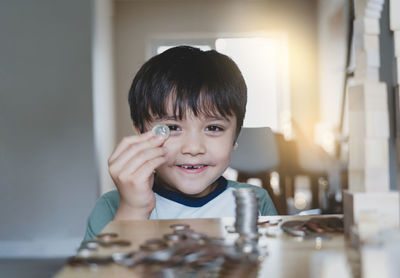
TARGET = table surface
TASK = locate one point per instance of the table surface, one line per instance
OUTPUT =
(287, 256)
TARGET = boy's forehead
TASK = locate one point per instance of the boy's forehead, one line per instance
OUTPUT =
(204, 110)
(179, 107)
(189, 114)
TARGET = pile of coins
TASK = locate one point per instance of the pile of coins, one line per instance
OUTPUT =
(314, 227)
(247, 208)
(181, 253)
(86, 253)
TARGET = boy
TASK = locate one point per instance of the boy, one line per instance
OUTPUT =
(201, 96)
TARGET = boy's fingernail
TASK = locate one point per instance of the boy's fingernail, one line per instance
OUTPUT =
(160, 137)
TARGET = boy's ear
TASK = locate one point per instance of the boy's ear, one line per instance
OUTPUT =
(235, 146)
(136, 129)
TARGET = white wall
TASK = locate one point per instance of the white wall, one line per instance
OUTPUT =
(103, 88)
(48, 178)
(139, 22)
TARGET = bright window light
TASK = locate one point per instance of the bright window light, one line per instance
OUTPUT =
(262, 62)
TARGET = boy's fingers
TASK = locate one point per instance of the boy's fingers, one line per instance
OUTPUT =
(132, 150)
(128, 141)
(141, 159)
(147, 169)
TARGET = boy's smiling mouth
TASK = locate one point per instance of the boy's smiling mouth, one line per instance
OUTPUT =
(192, 168)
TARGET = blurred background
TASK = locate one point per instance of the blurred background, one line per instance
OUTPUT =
(65, 71)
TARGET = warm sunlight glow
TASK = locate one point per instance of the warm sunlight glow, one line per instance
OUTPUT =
(300, 201)
(274, 181)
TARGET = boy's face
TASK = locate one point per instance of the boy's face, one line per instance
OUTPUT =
(198, 152)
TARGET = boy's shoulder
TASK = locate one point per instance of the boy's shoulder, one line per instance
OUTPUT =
(109, 201)
(236, 185)
(111, 196)
(103, 212)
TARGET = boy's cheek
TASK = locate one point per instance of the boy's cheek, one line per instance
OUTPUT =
(170, 145)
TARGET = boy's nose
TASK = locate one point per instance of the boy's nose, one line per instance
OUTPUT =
(193, 144)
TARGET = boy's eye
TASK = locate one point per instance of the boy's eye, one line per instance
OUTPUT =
(174, 128)
(214, 128)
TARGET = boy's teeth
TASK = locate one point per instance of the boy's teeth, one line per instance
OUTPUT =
(191, 167)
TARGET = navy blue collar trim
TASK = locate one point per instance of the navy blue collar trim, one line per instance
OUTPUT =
(191, 201)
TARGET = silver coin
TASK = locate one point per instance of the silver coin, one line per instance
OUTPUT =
(179, 227)
(91, 244)
(161, 129)
(84, 252)
(107, 236)
(154, 245)
(174, 237)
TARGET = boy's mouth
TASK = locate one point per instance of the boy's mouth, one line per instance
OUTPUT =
(192, 167)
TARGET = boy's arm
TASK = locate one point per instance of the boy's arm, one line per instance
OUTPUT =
(102, 213)
(266, 205)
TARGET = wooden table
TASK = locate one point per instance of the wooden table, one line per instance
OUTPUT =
(288, 256)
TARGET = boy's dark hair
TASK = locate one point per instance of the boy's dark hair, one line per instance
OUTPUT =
(207, 82)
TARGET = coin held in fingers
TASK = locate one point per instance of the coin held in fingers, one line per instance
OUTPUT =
(161, 129)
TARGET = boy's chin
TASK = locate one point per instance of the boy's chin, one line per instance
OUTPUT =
(196, 193)
(189, 188)
(189, 191)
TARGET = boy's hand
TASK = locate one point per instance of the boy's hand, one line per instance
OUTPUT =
(131, 167)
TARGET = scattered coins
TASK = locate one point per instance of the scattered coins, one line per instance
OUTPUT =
(268, 223)
(105, 240)
(161, 129)
(174, 237)
(183, 251)
(107, 236)
(154, 245)
(179, 227)
(317, 227)
(90, 261)
(90, 244)
(294, 228)
(84, 252)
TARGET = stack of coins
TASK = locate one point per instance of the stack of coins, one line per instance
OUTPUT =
(246, 216)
